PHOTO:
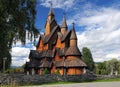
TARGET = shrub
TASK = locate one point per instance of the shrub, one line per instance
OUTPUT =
(57, 72)
(46, 71)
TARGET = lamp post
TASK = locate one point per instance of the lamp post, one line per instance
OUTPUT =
(4, 59)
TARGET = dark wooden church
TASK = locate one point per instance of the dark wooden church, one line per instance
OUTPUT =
(56, 51)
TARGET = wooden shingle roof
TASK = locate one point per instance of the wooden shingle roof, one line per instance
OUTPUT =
(59, 63)
(73, 51)
(45, 64)
(32, 64)
(61, 51)
(48, 37)
(47, 53)
(60, 35)
(65, 36)
(35, 54)
(50, 53)
(76, 62)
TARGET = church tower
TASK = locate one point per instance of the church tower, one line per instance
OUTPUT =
(73, 49)
(50, 22)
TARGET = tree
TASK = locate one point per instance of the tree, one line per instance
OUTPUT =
(108, 67)
(119, 67)
(87, 58)
(17, 18)
(101, 68)
(112, 66)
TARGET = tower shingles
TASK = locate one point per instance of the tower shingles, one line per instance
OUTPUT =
(73, 51)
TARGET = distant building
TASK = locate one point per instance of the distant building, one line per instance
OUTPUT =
(56, 51)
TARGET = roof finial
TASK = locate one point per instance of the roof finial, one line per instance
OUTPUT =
(64, 14)
(64, 24)
(51, 4)
(73, 24)
(73, 33)
(51, 10)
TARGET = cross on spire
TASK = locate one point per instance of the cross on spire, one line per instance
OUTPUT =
(64, 24)
(73, 33)
(73, 24)
(51, 9)
(51, 3)
(64, 13)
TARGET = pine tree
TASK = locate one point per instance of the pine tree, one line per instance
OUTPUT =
(87, 58)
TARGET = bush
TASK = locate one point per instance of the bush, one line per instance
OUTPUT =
(46, 71)
(57, 72)
(11, 70)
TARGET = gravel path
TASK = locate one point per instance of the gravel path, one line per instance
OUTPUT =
(94, 84)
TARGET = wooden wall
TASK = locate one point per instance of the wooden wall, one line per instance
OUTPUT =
(74, 71)
(41, 46)
(71, 57)
(73, 42)
(47, 28)
(53, 70)
(59, 44)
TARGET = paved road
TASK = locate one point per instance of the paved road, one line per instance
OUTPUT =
(94, 84)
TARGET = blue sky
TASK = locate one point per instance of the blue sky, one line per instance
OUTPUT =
(97, 24)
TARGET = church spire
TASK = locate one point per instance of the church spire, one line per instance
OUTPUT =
(73, 34)
(64, 24)
(51, 12)
(50, 22)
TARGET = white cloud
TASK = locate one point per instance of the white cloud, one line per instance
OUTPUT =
(19, 61)
(102, 33)
(20, 55)
(21, 52)
(113, 55)
(64, 4)
(101, 30)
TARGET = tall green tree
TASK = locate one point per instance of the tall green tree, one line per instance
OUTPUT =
(17, 18)
(87, 58)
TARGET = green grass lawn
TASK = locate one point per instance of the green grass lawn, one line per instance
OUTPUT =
(8, 86)
(107, 80)
(102, 80)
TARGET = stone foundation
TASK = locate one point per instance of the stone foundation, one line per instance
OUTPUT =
(23, 79)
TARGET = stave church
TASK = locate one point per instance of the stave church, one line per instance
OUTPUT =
(56, 51)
